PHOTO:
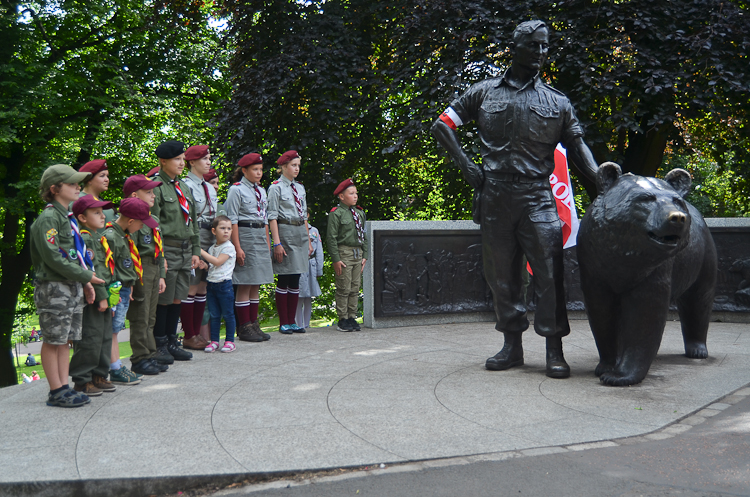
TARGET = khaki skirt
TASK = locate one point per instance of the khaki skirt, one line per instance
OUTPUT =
(257, 269)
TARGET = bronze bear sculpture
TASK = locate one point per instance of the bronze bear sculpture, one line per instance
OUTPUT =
(640, 247)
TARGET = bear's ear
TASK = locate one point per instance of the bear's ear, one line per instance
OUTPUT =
(608, 173)
(680, 180)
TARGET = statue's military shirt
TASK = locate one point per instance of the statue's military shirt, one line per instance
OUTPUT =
(53, 251)
(168, 212)
(205, 208)
(281, 202)
(342, 230)
(96, 253)
(146, 245)
(519, 128)
(242, 203)
(124, 266)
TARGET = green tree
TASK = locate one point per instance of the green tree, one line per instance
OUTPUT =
(82, 79)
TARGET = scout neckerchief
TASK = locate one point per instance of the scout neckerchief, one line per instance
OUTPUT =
(109, 258)
(297, 200)
(358, 224)
(136, 258)
(81, 252)
(208, 200)
(183, 202)
(261, 210)
(157, 241)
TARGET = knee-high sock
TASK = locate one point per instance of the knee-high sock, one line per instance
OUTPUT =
(242, 309)
(199, 307)
(281, 305)
(173, 315)
(254, 303)
(186, 315)
(292, 297)
(160, 326)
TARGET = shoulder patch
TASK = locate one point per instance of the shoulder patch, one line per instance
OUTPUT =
(334, 209)
(51, 235)
(237, 184)
(275, 182)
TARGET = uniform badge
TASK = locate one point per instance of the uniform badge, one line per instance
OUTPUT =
(127, 262)
(63, 253)
(51, 235)
(90, 253)
(147, 239)
(72, 253)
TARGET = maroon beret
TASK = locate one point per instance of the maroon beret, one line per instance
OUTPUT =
(250, 159)
(343, 186)
(89, 202)
(138, 182)
(94, 167)
(211, 174)
(135, 208)
(196, 152)
(153, 172)
(287, 156)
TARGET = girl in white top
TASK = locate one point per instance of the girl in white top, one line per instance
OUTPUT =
(221, 257)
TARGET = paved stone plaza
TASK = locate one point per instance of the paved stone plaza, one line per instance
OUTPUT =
(328, 399)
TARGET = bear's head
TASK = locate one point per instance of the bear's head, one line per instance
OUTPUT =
(639, 217)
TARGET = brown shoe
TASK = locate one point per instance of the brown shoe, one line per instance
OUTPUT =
(89, 389)
(195, 343)
(259, 331)
(247, 333)
(103, 384)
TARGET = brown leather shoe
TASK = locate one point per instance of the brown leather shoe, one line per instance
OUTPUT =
(103, 384)
(247, 333)
(89, 389)
(196, 343)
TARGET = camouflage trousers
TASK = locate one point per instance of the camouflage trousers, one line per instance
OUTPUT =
(60, 308)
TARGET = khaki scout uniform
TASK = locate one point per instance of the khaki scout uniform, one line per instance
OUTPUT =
(58, 293)
(92, 353)
(344, 245)
(142, 311)
(282, 207)
(205, 209)
(251, 218)
(181, 240)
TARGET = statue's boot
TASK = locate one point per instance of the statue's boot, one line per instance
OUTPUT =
(556, 365)
(510, 356)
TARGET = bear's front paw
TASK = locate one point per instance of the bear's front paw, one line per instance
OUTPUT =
(615, 379)
(696, 350)
(603, 367)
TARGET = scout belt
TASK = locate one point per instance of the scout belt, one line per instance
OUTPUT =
(248, 224)
(298, 222)
(206, 226)
(174, 242)
(512, 178)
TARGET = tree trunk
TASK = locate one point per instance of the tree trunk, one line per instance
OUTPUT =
(15, 265)
(645, 151)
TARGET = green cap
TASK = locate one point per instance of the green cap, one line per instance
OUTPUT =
(61, 172)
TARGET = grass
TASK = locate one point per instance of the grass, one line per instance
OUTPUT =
(269, 326)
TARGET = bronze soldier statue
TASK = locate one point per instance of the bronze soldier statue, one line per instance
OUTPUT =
(520, 121)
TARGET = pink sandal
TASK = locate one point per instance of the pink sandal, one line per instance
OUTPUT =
(228, 347)
(212, 347)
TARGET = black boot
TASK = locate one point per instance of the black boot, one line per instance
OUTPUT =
(162, 354)
(264, 335)
(161, 367)
(145, 367)
(556, 365)
(175, 350)
(510, 356)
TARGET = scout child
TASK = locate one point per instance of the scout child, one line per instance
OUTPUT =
(221, 256)
(126, 266)
(89, 365)
(142, 311)
(174, 207)
(287, 218)
(198, 160)
(348, 249)
(62, 277)
(246, 207)
(308, 282)
(97, 184)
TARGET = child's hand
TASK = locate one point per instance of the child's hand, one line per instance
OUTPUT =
(96, 281)
(240, 257)
(279, 253)
(103, 305)
(162, 285)
(363, 265)
(203, 265)
(338, 267)
(88, 292)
